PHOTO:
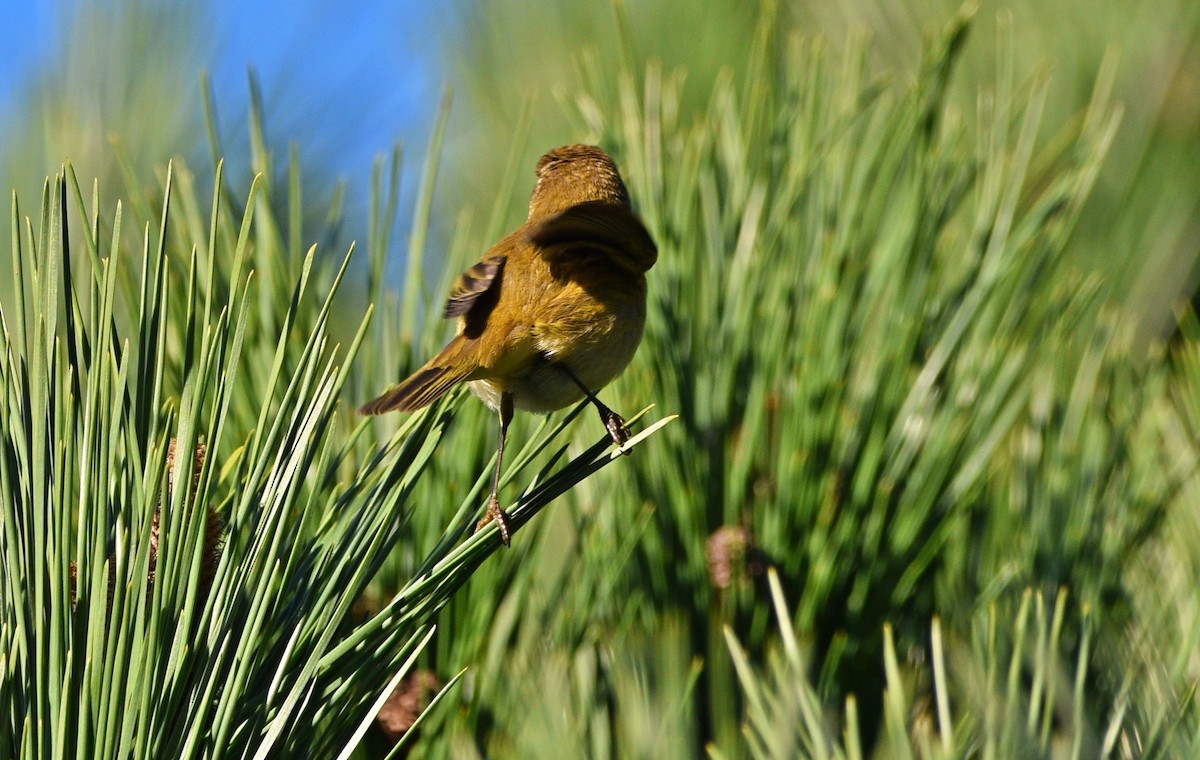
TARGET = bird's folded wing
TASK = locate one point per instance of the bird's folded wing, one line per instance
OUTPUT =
(609, 227)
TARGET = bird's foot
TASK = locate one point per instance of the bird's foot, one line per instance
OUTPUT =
(494, 512)
(616, 428)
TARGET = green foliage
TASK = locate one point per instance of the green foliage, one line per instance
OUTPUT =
(895, 387)
(895, 391)
(1017, 690)
(189, 516)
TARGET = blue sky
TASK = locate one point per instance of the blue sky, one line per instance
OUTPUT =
(358, 76)
(364, 72)
(26, 38)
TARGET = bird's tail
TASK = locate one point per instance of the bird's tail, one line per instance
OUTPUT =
(429, 383)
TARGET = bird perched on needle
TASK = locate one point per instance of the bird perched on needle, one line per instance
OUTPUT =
(553, 312)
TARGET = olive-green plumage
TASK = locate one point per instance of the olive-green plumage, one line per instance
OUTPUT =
(551, 313)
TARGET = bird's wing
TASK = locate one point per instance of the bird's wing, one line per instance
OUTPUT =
(473, 283)
(609, 227)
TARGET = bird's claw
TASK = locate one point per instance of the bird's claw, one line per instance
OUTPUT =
(616, 429)
(494, 512)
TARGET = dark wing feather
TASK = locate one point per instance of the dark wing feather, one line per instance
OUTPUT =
(602, 225)
(472, 284)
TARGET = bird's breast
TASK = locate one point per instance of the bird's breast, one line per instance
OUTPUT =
(593, 329)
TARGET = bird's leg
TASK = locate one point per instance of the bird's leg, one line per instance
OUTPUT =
(494, 512)
(613, 421)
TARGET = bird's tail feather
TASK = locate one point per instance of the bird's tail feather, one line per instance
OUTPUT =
(427, 384)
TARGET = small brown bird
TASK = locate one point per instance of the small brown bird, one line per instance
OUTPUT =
(553, 312)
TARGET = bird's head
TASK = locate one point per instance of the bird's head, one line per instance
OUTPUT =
(575, 174)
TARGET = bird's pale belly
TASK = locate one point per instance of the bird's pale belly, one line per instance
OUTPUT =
(595, 360)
